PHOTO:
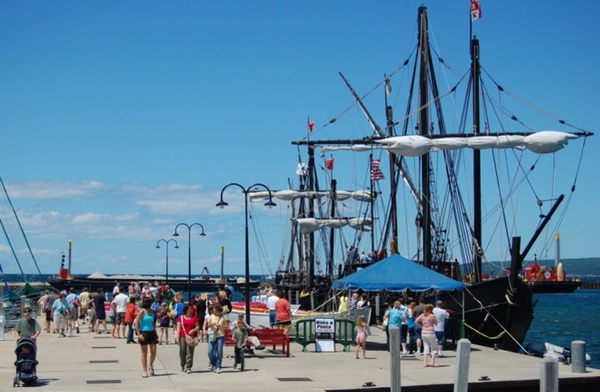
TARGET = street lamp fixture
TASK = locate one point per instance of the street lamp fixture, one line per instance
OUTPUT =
(223, 204)
(166, 254)
(202, 234)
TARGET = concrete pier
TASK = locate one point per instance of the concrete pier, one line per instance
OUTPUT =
(95, 362)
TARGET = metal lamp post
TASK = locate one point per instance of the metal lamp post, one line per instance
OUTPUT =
(175, 234)
(166, 255)
(223, 204)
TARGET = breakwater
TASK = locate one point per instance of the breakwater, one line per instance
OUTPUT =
(590, 285)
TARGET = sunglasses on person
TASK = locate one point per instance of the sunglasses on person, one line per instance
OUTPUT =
(27, 311)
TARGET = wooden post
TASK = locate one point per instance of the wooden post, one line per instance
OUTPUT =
(463, 358)
(395, 373)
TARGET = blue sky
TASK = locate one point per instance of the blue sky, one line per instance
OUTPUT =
(122, 119)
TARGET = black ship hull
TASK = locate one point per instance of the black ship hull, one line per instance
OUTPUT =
(554, 287)
(495, 315)
(176, 284)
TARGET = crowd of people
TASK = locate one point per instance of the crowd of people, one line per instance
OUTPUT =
(422, 328)
(145, 315)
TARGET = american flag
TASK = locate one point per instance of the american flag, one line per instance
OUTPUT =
(376, 173)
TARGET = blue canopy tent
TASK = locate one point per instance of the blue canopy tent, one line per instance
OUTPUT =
(397, 273)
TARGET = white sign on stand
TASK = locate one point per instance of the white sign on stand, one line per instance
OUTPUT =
(325, 329)
(325, 325)
(325, 345)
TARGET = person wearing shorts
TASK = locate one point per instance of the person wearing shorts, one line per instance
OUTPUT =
(147, 337)
(121, 301)
(100, 312)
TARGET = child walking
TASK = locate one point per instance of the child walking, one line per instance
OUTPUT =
(164, 323)
(239, 335)
(361, 336)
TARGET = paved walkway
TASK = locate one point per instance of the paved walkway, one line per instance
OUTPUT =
(93, 362)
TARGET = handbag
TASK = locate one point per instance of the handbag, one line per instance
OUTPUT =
(191, 341)
(212, 332)
(212, 336)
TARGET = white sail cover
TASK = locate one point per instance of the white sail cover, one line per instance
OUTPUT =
(343, 195)
(288, 195)
(409, 146)
(309, 225)
(355, 147)
(547, 141)
(504, 141)
(362, 195)
(449, 143)
(543, 142)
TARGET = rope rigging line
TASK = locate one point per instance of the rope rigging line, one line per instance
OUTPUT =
(556, 228)
(382, 82)
(260, 243)
(531, 105)
(493, 318)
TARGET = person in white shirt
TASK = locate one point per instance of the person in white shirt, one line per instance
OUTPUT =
(441, 316)
(121, 300)
(116, 289)
(271, 301)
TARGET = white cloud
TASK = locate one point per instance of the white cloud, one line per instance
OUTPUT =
(53, 189)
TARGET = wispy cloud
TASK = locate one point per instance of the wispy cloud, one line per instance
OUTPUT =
(53, 189)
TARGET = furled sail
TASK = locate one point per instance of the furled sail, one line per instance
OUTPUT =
(289, 195)
(309, 225)
(543, 142)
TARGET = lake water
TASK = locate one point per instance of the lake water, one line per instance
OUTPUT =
(563, 318)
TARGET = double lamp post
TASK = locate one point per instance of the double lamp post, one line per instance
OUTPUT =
(166, 254)
(202, 234)
(223, 204)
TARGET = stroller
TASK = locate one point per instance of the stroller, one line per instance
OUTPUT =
(25, 363)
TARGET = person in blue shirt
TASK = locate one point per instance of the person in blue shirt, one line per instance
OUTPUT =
(396, 317)
(60, 310)
(146, 332)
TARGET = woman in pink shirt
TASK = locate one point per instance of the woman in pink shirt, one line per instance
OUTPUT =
(426, 321)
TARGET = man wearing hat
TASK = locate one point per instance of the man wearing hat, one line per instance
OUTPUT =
(27, 327)
(440, 333)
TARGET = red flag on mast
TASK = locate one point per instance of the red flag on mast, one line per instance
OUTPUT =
(329, 164)
(311, 124)
(475, 10)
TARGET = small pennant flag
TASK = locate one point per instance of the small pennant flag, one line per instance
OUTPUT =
(376, 173)
(311, 124)
(329, 164)
(388, 87)
(475, 10)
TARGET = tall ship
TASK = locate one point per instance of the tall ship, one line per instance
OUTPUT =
(450, 182)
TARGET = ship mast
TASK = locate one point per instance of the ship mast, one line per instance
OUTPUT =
(425, 213)
(477, 232)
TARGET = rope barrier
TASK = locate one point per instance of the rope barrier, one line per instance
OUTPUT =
(494, 318)
(486, 336)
